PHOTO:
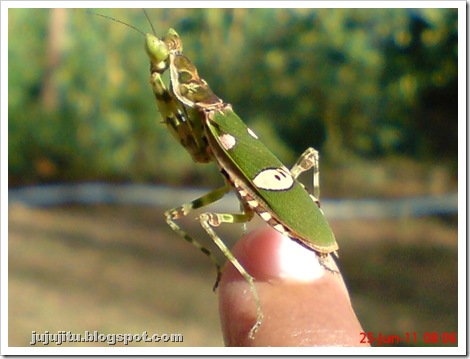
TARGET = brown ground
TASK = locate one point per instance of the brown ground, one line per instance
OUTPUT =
(122, 270)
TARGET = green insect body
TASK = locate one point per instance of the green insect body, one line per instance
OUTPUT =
(210, 130)
(272, 191)
(177, 118)
(250, 165)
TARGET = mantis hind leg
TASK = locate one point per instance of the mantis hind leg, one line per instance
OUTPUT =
(181, 211)
(210, 220)
(309, 160)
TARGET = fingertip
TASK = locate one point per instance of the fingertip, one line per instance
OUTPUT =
(275, 256)
(268, 255)
(297, 295)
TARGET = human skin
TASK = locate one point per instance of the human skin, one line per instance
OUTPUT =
(303, 303)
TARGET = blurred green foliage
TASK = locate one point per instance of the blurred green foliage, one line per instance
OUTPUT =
(354, 83)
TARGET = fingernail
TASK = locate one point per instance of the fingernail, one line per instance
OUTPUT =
(278, 256)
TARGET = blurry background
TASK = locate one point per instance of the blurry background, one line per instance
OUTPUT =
(374, 90)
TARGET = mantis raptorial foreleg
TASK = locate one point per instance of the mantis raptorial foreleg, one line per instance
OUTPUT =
(180, 123)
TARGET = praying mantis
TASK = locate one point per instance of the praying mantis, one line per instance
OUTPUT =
(210, 131)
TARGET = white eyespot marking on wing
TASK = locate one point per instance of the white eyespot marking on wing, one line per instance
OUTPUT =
(253, 203)
(252, 134)
(227, 141)
(274, 179)
(265, 215)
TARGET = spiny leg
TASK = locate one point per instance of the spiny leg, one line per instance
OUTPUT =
(184, 209)
(186, 128)
(323, 259)
(309, 159)
(209, 220)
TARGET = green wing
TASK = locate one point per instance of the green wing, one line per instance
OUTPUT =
(269, 179)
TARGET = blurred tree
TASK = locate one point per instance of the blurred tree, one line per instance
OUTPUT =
(55, 35)
(421, 86)
(355, 83)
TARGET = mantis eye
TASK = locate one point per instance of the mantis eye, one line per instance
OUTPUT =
(156, 49)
